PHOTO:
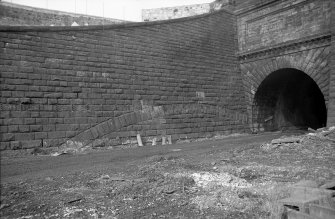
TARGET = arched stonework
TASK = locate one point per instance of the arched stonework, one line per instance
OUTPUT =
(106, 131)
(313, 62)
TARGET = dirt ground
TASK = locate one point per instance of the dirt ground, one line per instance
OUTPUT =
(240, 176)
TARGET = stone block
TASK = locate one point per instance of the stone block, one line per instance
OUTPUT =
(133, 118)
(151, 133)
(4, 146)
(111, 124)
(31, 144)
(41, 135)
(293, 214)
(128, 119)
(24, 136)
(70, 134)
(7, 137)
(53, 95)
(117, 123)
(56, 134)
(123, 121)
(302, 197)
(15, 145)
(94, 131)
(103, 128)
(317, 211)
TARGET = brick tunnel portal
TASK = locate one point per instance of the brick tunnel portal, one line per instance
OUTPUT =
(288, 98)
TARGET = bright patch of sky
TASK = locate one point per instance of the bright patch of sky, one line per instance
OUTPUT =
(119, 9)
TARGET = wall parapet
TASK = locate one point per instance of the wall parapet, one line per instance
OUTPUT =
(110, 26)
(168, 13)
(20, 15)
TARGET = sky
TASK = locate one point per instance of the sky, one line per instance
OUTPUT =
(119, 9)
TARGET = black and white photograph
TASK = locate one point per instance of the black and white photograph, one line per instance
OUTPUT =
(181, 109)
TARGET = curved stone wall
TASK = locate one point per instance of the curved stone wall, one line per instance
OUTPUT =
(178, 78)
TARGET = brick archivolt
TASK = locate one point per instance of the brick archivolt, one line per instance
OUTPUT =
(313, 62)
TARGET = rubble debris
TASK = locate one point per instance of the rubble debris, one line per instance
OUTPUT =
(169, 138)
(105, 177)
(110, 178)
(306, 183)
(74, 200)
(139, 140)
(169, 189)
(286, 140)
(71, 147)
(55, 154)
(319, 211)
(48, 179)
(74, 24)
(321, 129)
(4, 206)
(329, 185)
(39, 151)
(71, 210)
(243, 182)
(321, 137)
(115, 178)
(331, 130)
(206, 179)
(154, 141)
(268, 119)
(163, 140)
(305, 193)
(311, 130)
(268, 146)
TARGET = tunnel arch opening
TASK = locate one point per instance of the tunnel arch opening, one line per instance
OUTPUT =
(288, 99)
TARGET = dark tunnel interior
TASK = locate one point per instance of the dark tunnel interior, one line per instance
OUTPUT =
(289, 98)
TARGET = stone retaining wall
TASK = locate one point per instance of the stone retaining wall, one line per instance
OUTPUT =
(60, 82)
